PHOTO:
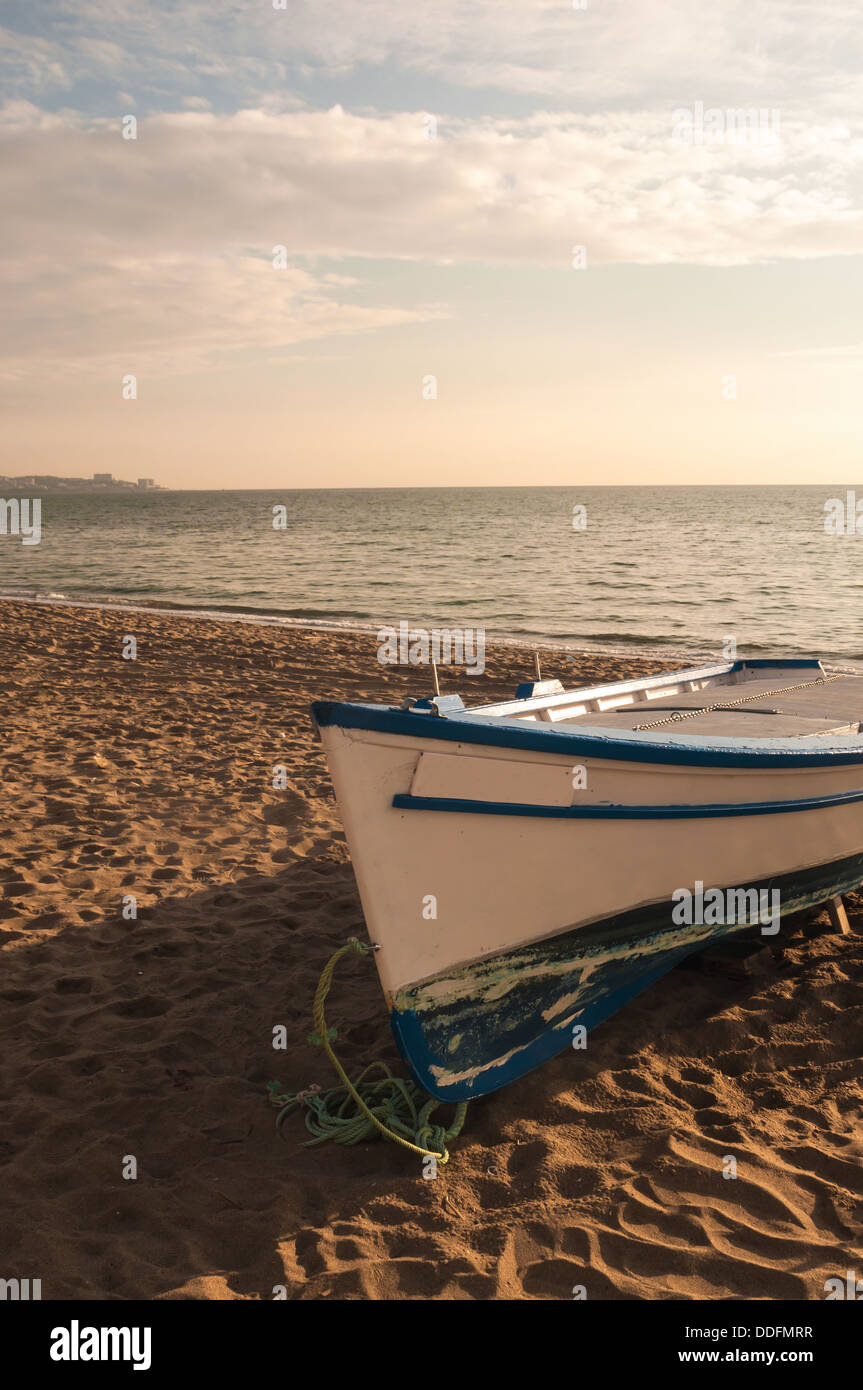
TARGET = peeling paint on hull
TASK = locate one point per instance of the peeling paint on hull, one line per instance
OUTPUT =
(473, 1029)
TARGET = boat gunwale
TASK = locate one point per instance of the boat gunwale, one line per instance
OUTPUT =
(693, 673)
(489, 725)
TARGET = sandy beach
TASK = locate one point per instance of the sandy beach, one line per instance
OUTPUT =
(151, 1037)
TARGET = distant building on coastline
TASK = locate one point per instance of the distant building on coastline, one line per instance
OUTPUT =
(48, 482)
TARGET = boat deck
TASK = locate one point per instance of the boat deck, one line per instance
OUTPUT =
(781, 701)
(836, 708)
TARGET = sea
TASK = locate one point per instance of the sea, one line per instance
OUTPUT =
(665, 571)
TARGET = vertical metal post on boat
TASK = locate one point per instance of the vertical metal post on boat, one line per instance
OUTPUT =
(536, 666)
(435, 679)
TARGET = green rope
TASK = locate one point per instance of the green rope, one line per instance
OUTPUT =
(391, 1107)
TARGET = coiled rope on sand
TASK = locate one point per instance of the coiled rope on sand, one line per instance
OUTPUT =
(390, 1107)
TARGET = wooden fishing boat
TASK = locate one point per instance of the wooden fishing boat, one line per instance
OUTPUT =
(524, 866)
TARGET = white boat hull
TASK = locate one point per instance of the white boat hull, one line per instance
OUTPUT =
(515, 892)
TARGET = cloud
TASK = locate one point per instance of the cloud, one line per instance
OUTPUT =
(31, 64)
(171, 313)
(140, 258)
(163, 245)
(339, 184)
(612, 53)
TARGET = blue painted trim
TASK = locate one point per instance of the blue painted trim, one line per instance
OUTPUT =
(410, 1037)
(794, 662)
(470, 727)
(405, 802)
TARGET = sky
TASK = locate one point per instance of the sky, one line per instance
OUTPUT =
(368, 243)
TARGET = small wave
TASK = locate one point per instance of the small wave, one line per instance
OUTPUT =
(317, 622)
